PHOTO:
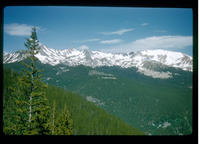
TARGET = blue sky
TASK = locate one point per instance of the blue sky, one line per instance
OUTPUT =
(107, 29)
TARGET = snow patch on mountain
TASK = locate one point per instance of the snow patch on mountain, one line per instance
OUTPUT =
(101, 74)
(111, 78)
(64, 69)
(94, 100)
(49, 78)
(166, 124)
(155, 74)
(98, 73)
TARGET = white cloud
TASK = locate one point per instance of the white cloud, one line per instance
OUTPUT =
(83, 47)
(154, 42)
(15, 29)
(144, 24)
(113, 41)
(91, 40)
(118, 32)
(162, 42)
(88, 40)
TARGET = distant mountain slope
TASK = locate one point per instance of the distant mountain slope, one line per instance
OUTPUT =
(154, 105)
(87, 118)
(74, 57)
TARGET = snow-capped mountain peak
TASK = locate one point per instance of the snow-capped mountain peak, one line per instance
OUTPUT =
(169, 58)
(74, 57)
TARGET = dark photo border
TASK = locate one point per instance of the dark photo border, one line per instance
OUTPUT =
(193, 4)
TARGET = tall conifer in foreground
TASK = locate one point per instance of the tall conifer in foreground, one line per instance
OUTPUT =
(27, 111)
(38, 107)
(31, 109)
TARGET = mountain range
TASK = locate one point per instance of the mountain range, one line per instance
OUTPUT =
(74, 57)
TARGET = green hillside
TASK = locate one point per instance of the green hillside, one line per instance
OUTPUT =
(155, 106)
(87, 118)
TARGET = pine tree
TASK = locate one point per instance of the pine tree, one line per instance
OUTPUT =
(32, 49)
(64, 123)
(37, 103)
(31, 111)
(15, 118)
